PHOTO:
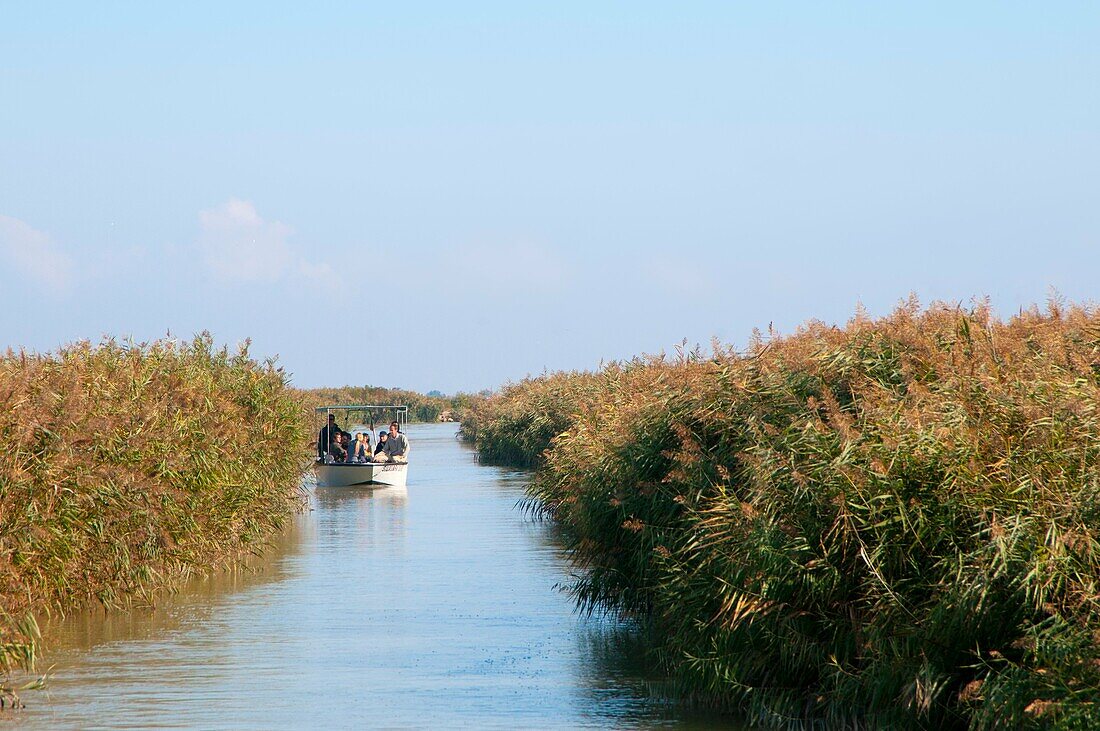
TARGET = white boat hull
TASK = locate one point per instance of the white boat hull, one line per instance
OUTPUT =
(346, 475)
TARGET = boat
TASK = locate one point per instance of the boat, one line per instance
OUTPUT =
(347, 474)
(341, 474)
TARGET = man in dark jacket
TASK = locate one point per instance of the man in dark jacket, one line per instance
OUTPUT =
(324, 439)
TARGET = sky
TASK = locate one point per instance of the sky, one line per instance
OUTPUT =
(455, 195)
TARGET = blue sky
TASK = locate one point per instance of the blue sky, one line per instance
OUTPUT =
(447, 196)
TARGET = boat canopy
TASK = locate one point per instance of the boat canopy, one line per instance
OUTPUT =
(368, 413)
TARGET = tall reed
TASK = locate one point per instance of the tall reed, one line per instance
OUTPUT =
(515, 426)
(894, 524)
(126, 468)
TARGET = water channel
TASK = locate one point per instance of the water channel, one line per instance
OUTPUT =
(433, 607)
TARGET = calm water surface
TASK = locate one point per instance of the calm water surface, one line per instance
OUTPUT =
(436, 606)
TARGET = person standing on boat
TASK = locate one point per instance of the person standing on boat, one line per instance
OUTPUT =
(397, 445)
(326, 436)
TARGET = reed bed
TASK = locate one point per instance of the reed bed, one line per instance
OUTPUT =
(515, 427)
(895, 524)
(125, 469)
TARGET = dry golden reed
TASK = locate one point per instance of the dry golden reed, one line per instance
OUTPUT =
(895, 524)
(126, 468)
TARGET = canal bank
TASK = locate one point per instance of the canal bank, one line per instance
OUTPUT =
(436, 607)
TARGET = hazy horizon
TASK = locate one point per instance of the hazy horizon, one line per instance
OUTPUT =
(431, 196)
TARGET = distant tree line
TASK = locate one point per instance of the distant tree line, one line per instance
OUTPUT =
(433, 406)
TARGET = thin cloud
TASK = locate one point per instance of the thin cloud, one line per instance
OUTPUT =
(239, 246)
(507, 268)
(316, 273)
(33, 254)
(680, 279)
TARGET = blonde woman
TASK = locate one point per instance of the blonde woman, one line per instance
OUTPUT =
(360, 452)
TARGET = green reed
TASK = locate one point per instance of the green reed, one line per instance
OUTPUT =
(125, 469)
(891, 525)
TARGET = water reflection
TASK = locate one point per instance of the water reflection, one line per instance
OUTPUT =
(334, 497)
(376, 515)
(435, 605)
(196, 600)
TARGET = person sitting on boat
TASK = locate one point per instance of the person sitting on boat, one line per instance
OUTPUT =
(327, 434)
(360, 450)
(337, 450)
(397, 445)
(380, 448)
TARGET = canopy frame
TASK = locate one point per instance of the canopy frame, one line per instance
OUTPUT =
(400, 412)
